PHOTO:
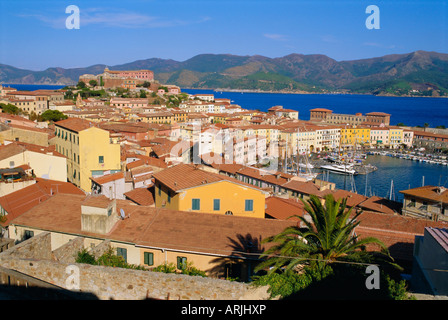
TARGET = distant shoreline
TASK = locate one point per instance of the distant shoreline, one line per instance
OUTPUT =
(253, 91)
(309, 93)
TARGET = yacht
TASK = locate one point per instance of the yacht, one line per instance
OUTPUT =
(339, 168)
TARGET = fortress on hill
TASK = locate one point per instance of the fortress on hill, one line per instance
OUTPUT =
(120, 78)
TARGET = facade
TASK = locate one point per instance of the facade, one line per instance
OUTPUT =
(354, 137)
(188, 188)
(430, 140)
(371, 119)
(88, 149)
(45, 162)
(379, 137)
(119, 78)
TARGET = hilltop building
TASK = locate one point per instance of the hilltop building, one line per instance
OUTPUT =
(120, 78)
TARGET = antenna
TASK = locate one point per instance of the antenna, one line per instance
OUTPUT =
(122, 214)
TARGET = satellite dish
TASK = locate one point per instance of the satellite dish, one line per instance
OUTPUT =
(122, 213)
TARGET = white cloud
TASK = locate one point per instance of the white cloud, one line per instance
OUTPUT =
(276, 37)
(114, 18)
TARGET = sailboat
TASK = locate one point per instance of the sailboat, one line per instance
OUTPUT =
(305, 169)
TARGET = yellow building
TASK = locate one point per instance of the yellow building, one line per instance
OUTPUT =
(395, 137)
(88, 149)
(354, 137)
(186, 188)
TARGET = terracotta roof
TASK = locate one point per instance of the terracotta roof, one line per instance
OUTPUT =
(9, 150)
(381, 205)
(184, 176)
(303, 187)
(18, 202)
(321, 109)
(74, 124)
(263, 175)
(279, 208)
(160, 228)
(141, 196)
(397, 232)
(108, 178)
(353, 199)
(438, 194)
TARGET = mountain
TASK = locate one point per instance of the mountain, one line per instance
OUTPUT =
(415, 73)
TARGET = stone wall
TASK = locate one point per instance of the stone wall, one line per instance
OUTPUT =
(67, 253)
(34, 258)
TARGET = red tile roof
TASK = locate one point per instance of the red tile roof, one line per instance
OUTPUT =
(279, 208)
(160, 228)
(74, 124)
(141, 196)
(18, 202)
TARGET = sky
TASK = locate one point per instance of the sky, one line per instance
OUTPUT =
(34, 35)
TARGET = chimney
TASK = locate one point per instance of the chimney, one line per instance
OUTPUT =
(98, 214)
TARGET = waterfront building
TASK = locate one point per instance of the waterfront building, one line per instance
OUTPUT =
(379, 137)
(430, 140)
(371, 119)
(355, 137)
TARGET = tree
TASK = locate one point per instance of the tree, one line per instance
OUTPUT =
(81, 84)
(327, 239)
(53, 115)
(10, 108)
(142, 94)
(93, 83)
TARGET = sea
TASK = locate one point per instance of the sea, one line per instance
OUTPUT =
(393, 174)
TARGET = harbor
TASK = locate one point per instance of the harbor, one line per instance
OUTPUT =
(385, 174)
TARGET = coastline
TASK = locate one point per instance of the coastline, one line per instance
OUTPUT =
(253, 91)
(310, 93)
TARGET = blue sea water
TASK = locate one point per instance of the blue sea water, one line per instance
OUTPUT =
(410, 111)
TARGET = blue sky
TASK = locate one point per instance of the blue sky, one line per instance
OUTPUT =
(33, 33)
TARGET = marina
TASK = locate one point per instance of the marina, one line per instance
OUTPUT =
(384, 174)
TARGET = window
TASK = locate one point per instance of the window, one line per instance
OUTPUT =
(195, 204)
(123, 252)
(101, 159)
(148, 258)
(249, 205)
(28, 234)
(216, 204)
(181, 262)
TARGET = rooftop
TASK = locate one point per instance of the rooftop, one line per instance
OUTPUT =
(433, 193)
(159, 228)
(184, 176)
(18, 202)
(74, 124)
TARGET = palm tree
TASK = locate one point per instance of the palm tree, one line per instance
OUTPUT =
(328, 238)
